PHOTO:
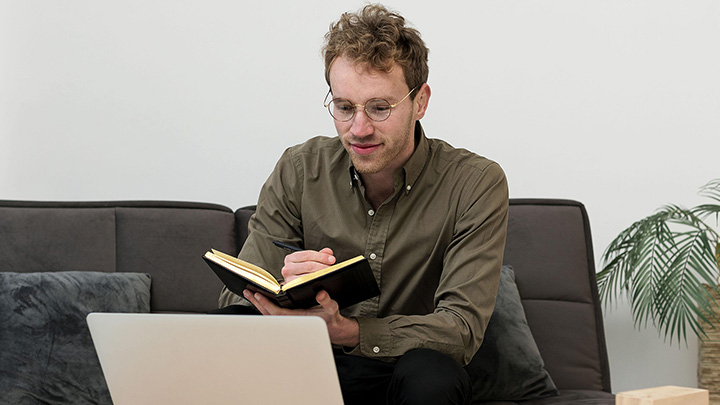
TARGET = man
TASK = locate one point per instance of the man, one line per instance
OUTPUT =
(430, 218)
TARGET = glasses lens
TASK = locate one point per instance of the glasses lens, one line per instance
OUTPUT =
(341, 110)
(378, 109)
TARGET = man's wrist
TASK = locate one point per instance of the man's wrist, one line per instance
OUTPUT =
(348, 333)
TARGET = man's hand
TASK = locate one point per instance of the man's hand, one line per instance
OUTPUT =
(305, 262)
(343, 331)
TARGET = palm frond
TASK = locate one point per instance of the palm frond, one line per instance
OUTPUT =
(711, 190)
(621, 257)
(680, 296)
(708, 210)
(661, 263)
(634, 261)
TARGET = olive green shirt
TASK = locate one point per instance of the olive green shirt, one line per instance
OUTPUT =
(435, 246)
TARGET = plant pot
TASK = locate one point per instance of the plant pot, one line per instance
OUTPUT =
(709, 353)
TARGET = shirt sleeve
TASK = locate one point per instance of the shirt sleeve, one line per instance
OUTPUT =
(465, 296)
(277, 217)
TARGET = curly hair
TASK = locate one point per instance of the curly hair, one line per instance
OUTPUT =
(378, 38)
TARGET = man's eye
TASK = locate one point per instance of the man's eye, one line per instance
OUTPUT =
(344, 107)
(379, 108)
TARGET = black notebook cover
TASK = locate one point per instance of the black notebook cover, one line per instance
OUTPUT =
(347, 285)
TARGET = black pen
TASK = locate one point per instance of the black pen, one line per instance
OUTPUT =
(289, 248)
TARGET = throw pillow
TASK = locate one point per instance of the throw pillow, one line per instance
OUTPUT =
(47, 353)
(508, 365)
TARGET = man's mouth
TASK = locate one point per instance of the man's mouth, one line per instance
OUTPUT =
(362, 149)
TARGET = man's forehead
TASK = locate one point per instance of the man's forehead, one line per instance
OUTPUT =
(343, 70)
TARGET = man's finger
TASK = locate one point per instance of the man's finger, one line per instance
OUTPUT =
(253, 298)
(325, 256)
(327, 303)
(322, 298)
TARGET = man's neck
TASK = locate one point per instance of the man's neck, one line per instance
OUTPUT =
(378, 187)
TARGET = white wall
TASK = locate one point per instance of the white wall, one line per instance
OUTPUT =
(613, 103)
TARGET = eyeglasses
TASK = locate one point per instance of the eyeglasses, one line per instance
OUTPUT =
(377, 109)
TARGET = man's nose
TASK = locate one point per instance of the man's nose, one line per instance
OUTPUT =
(362, 125)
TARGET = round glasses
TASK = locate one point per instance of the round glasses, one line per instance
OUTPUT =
(377, 109)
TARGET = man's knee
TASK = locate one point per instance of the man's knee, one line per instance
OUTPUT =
(428, 376)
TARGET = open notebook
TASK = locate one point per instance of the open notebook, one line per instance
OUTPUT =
(215, 359)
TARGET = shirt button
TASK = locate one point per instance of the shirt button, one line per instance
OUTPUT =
(373, 256)
(408, 187)
(376, 350)
(371, 212)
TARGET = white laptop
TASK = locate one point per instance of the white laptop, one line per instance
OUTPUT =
(215, 359)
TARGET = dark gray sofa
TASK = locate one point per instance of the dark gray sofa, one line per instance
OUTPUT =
(549, 248)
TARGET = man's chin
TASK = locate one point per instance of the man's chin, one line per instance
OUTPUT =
(366, 169)
(364, 165)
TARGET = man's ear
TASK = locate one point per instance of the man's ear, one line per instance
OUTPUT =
(420, 103)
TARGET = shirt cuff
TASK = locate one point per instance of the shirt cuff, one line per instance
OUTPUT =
(376, 339)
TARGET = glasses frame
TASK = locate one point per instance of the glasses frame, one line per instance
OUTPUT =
(327, 105)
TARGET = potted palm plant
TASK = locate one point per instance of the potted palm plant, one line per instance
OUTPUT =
(668, 265)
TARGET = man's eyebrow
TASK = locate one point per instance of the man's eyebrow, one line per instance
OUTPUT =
(388, 98)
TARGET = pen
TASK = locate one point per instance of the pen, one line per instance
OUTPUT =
(289, 248)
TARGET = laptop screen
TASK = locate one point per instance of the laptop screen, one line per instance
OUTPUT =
(215, 359)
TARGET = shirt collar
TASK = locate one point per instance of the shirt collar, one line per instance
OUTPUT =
(412, 169)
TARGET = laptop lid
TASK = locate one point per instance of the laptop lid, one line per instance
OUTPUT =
(215, 359)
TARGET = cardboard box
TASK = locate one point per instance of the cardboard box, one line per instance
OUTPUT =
(666, 395)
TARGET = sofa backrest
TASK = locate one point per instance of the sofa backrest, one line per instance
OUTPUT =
(549, 246)
(165, 239)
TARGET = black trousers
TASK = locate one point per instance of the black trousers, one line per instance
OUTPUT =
(421, 376)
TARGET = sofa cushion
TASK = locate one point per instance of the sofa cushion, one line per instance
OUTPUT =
(47, 353)
(508, 365)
